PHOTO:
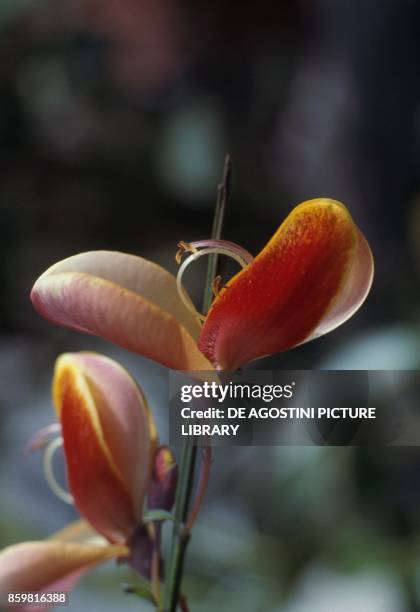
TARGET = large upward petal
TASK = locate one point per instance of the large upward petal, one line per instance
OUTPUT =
(123, 298)
(312, 276)
(109, 441)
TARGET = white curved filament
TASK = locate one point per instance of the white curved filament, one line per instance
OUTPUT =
(48, 459)
(229, 252)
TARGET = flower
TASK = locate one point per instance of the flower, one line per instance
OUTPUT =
(109, 441)
(313, 274)
(55, 564)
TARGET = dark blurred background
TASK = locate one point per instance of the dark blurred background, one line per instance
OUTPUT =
(115, 117)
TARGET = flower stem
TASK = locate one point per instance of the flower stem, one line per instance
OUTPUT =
(180, 534)
(205, 470)
(223, 192)
(156, 529)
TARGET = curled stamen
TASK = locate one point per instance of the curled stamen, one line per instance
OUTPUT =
(216, 285)
(41, 438)
(184, 247)
(48, 457)
(208, 247)
(226, 245)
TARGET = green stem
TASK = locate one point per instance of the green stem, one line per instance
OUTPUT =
(223, 191)
(180, 534)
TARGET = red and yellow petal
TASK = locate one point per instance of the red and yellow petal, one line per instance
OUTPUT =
(109, 441)
(312, 276)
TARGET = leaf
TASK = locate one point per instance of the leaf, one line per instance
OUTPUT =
(141, 589)
(158, 515)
